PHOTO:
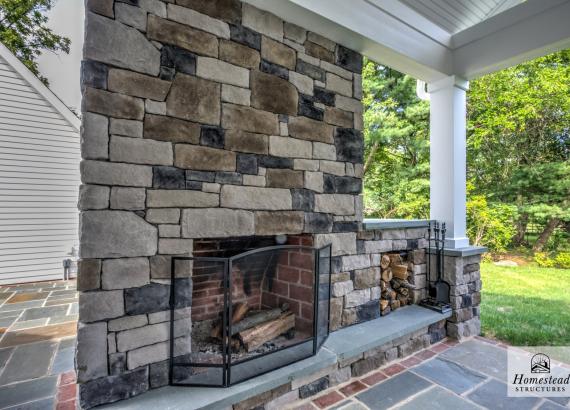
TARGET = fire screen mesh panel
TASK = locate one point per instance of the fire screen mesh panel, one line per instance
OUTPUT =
(258, 311)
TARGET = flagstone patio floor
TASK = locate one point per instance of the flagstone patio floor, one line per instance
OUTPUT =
(38, 324)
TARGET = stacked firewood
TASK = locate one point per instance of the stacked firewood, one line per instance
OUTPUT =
(396, 291)
(252, 328)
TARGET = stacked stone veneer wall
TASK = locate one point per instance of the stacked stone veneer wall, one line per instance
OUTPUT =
(201, 119)
(209, 119)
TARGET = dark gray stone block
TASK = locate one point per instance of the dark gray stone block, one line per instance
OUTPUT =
(179, 59)
(345, 227)
(348, 59)
(308, 109)
(233, 178)
(303, 200)
(113, 388)
(274, 69)
(247, 164)
(275, 162)
(167, 73)
(347, 185)
(368, 311)
(245, 36)
(168, 178)
(194, 185)
(450, 375)
(349, 145)
(150, 298)
(117, 363)
(493, 395)
(313, 388)
(212, 136)
(159, 374)
(324, 96)
(393, 391)
(94, 74)
(310, 70)
(318, 223)
(202, 176)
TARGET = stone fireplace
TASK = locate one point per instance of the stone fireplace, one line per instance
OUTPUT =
(209, 128)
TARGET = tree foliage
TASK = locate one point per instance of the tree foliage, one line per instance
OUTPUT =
(397, 145)
(23, 30)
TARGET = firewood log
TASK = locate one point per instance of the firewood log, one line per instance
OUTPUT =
(383, 285)
(238, 313)
(395, 304)
(385, 262)
(254, 337)
(386, 311)
(404, 291)
(395, 259)
(387, 275)
(400, 271)
(384, 304)
(258, 319)
(402, 284)
(403, 300)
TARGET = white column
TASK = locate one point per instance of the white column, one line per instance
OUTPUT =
(448, 122)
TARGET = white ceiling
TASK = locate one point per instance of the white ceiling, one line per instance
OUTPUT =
(454, 16)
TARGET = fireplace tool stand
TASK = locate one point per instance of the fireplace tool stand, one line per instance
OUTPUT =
(438, 291)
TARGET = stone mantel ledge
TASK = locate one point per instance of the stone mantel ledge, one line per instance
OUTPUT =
(379, 224)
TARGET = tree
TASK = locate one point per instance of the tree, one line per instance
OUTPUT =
(518, 139)
(396, 132)
(23, 30)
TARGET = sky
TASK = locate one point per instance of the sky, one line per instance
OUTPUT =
(62, 70)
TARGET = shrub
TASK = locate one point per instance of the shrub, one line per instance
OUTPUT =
(490, 224)
(543, 260)
(562, 260)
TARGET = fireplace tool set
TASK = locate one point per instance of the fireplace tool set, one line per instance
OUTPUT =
(438, 290)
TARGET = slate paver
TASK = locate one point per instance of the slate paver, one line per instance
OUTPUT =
(45, 312)
(29, 391)
(42, 404)
(493, 395)
(349, 406)
(564, 401)
(450, 375)
(393, 391)
(438, 399)
(7, 321)
(479, 356)
(19, 307)
(4, 356)
(27, 324)
(28, 362)
(550, 405)
(64, 359)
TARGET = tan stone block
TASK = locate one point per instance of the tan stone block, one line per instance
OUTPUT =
(243, 141)
(324, 151)
(239, 54)
(140, 151)
(188, 16)
(332, 167)
(306, 164)
(295, 33)
(170, 32)
(274, 94)
(348, 104)
(242, 197)
(321, 41)
(194, 99)
(338, 117)
(339, 85)
(110, 173)
(304, 84)
(284, 178)
(319, 52)
(163, 198)
(222, 72)
(204, 158)
(278, 53)
(226, 10)
(249, 119)
(262, 21)
(337, 204)
(289, 147)
(162, 128)
(217, 223)
(113, 104)
(314, 181)
(279, 223)
(236, 95)
(137, 85)
(308, 129)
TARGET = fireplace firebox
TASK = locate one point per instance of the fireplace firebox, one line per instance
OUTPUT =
(252, 312)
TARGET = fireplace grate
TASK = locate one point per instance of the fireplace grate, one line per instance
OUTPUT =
(252, 313)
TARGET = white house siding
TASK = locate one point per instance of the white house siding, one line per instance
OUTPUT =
(39, 182)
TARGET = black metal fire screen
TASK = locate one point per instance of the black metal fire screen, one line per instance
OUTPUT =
(252, 313)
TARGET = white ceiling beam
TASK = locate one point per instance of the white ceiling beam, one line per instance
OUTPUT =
(366, 27)
(530, 30)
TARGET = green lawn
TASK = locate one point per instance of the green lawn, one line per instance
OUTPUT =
(526, 305)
